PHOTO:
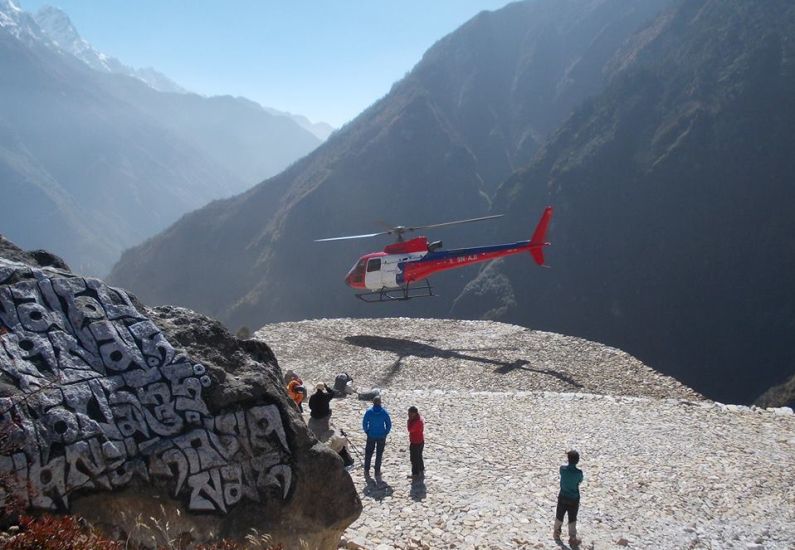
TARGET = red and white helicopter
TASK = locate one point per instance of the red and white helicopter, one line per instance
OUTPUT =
(401, 271)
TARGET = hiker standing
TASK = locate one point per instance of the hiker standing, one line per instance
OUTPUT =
(569, 497)
(416, 428)
(376, 424)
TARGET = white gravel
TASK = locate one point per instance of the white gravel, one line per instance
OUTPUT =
(663, 467)
(438, 354)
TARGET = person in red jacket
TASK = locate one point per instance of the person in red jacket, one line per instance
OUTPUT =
(416, 427)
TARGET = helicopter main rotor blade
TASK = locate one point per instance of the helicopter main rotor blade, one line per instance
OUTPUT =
(365, 236)
(455, 222)
(399, 230)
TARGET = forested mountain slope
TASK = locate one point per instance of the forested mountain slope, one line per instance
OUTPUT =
(674, 199)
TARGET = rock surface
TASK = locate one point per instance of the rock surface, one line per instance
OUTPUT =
(103, 416)
(663, 467)
(40, 258)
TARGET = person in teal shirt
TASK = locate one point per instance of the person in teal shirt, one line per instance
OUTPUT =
(569, 497)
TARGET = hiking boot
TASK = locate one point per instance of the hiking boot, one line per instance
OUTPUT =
(556, 530)
(573, 540)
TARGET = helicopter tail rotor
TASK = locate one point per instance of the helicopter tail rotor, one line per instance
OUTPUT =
(538, 241)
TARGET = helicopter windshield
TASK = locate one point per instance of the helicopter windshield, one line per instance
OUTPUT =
(356, 274)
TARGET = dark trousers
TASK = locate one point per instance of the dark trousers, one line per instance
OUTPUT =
(567, 505)
(378, 446)
(415, 454)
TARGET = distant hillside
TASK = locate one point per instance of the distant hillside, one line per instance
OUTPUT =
(674, 205)
(321, 130)
(92, 162)
(434, 149)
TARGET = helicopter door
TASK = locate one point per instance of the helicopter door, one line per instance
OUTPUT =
(372, 278)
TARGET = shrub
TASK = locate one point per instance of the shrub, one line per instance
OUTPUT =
(50, 532)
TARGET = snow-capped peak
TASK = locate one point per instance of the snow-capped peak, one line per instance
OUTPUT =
(57, 26)
(9, 6)
(17, 22)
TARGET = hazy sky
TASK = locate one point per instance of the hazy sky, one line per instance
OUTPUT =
(325, 59)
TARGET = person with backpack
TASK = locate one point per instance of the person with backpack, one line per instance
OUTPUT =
(416, 428)
(569, 497)
(377, 425)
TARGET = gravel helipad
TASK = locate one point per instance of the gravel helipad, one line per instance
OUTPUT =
(664, 468)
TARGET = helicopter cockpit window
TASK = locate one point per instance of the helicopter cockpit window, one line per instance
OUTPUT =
(374, 265)
(356, 274)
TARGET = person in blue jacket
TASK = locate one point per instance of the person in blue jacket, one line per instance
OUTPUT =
(376, 424)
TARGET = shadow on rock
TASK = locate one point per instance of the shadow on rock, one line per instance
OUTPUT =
(377, 490)
(562, 545)
(418, 490)
(409, 348)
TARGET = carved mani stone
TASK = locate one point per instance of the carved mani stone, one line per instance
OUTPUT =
(104, 400)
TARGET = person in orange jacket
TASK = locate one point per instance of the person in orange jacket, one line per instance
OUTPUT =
(416, 428)
(296, 391)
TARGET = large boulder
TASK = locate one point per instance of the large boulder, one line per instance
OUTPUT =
(37, 258)
(781, 395)
(120, 413)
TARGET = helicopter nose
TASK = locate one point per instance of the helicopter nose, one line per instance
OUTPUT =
(354, 280)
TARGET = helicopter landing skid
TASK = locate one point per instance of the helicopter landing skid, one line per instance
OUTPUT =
(407, 292)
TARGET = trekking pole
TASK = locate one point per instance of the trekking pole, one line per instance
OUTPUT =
(352, 446)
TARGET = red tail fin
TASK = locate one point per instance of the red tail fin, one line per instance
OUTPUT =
(537, 243)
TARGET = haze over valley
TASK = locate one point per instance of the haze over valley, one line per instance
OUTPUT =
(96, 156)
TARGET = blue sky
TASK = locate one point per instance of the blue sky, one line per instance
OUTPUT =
(325, 59)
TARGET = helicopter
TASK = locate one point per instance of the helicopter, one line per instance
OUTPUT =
(401, 270)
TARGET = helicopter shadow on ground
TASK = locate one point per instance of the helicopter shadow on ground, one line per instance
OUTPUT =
(403, 348)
